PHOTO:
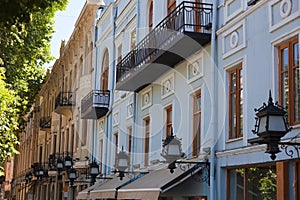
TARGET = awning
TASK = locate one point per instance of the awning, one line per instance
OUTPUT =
(85, 194)
(108, 189)
(152, 184)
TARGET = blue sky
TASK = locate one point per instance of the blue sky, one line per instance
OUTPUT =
(64, 25)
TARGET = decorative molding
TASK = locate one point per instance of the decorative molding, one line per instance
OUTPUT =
(281, 12)
(195, 69)
(129, 111)
(234, 39)
(116, 118)
(167, 86)
(230, 15)
(101, 126)
(240, 151)
(146, 98)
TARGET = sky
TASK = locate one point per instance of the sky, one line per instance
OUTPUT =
(64, 25)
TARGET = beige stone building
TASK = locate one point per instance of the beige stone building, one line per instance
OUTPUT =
(54, 132)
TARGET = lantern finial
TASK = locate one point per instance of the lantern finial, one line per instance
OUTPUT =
(270, 102)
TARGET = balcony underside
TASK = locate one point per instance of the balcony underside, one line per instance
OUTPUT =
(64, 110)
(178, 48)
(94, 112)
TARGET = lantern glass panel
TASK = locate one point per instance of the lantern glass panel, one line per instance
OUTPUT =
(276, 123)
(60, 165)
(262, 124)
(94, 171)
(72, 175)
(68, 163)
(173, 149)
(123, 162)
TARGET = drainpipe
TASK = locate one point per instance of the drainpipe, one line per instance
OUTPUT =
(112, 76)
(214, 73)
(135, 95)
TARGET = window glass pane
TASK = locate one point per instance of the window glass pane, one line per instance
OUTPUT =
(233, 114)
(285, 59)
(261, 183)
(296, 95)
(296, 54)
(285, 89)
(236, 184)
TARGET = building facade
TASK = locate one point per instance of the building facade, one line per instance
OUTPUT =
(152, 75)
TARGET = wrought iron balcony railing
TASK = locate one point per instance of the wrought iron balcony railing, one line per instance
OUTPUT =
(45, 122)
(188, 19)
(64, 102)
(95, 104)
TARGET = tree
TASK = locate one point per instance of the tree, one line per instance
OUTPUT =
(26, 28)
(8, 121)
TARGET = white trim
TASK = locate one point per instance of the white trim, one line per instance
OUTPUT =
(235, 13)
(138, 190)
(170, 77)
(287, 35)
(233, 29)
(128, 116)
(242, 16)
(200, 60)
(143, 104)
(241, 151)
(116, 114)
(285, 18)
(235, 63)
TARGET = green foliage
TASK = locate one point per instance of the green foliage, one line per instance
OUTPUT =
(26, 29)
(8, 120)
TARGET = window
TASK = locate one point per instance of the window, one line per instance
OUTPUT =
(197, 123)
(84, 132)
(72, 140)
(235, 103)
(252, 183)
(289, 79)
(147, 136)
(133, 39)
(119, 53)
(168, 121)
(100, 155)
(129, 140)
(54, 143)
(104, 74)
(116, 136)
(198, 15)
(150, 16)
(171, 5)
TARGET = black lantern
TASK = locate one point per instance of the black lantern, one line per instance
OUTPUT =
(68, 162)
(271, 125)
(122, 163)
(94, 171)
(172, 148)
(59, 164)
(72, 175)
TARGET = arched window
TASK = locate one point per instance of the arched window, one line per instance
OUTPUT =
(104, 73)
(150, 15)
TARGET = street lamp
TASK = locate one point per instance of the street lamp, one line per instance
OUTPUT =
(72, 175)
(68, 162)
(122, 163)
(271, 125)
(172, 148)
(94, 171)
(59, 164)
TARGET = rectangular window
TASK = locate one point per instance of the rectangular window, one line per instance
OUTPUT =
(129, 140)
(119, 53)
(84, 132)
(252, 183)
(289, 79)
(147, 136)
(116, 137)
(168, 121)
(100, 155)
(235, 103)
(133, 39)
(197, 123)
(54, 144)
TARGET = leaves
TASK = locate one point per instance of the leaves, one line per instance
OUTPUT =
(26, 29)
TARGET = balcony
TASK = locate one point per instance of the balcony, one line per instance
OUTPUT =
(64, 103)
(182, 33)
(95, 104)
(45, 123)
